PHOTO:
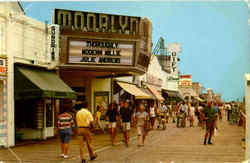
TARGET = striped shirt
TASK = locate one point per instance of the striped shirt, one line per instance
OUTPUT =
(65, 120)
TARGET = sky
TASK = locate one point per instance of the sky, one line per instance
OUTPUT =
(214, 36)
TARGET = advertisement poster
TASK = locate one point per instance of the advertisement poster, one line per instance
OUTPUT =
(101, 99)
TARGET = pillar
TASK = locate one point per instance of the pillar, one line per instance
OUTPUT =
(10, 88)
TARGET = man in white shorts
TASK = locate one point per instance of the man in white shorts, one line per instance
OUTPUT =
(112, 115)
(126, 114)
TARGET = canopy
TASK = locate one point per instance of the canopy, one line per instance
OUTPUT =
(134, 90)
(155, 92)
(171, 93)
(33, 82)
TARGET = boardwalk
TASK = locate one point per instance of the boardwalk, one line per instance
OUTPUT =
(176, 145)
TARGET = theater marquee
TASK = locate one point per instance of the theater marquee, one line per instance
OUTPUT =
(100, 52)
(104, 43)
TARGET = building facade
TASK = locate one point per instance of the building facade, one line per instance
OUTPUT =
(197, 87)
(185, 87)
(26, 54)
(170, 70)
(97, 48)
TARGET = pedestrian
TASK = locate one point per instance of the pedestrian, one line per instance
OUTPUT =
(126, 114)
(197, 114)
(119, 121)
(191, 115)
(112, 115)
(65, 123)
(210, 117)
(152, 112)
(220, 111)
(202, 116)
(178, 115)
(98, 118)
(163, 117)
(183, 113)
(143, 125)
(216, 108)
(85, 123)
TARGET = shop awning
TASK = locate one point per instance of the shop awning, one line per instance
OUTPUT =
(33, 82)
(155, 92)
(134, 90)
(171, 93)
(199, 99)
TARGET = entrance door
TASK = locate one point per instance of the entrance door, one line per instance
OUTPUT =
(50, 117)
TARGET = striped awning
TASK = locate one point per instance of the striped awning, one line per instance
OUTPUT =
(134, 90)
(155, 92)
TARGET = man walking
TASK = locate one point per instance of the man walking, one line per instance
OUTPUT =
(184, 112)
(126, 114)
(210, 117)
(85, 121)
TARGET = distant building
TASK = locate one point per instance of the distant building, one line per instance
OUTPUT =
(210, 94)
(185, 87)
(197, 87)
(217, 97)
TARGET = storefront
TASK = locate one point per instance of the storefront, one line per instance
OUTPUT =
(37, 92)
(3, 101)
(132, 92)
(96, 48)
(152, 81)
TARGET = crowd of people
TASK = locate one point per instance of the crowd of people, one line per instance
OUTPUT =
(141, 116)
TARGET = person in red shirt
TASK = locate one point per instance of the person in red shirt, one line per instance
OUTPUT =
(65, 123)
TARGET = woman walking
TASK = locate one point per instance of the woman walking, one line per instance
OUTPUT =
(112, 115)
(142, 122)
(152, 112)
(98, 118)
(191, 115)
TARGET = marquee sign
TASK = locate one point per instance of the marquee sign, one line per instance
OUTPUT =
(84, 51)
(96, 22)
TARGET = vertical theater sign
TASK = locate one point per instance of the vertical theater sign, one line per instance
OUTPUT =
(173, 50)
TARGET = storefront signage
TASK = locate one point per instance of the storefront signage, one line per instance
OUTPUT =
(173, 51)
(3, 69)
(174, 62)
(53, 42)
(185, 81)
(185, 76)
(172, 78)
(153, 80)
(95, 22)
(100, 52)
